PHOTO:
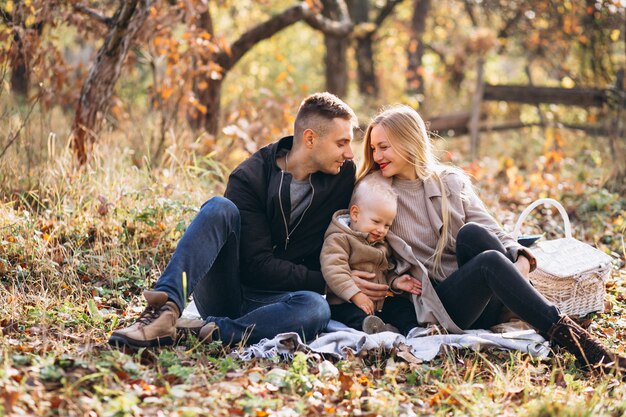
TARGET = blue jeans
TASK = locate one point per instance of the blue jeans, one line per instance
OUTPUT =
(268, 313)
(209, 254)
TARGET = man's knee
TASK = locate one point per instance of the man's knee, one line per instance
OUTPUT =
(220, 210)
(316, 308)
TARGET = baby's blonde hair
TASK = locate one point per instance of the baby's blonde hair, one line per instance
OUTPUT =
(373, 190)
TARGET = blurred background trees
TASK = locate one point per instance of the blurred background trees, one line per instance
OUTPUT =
(224, 77)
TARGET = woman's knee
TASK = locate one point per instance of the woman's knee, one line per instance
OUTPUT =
(220, 210)
(493, 258)
(471, 233)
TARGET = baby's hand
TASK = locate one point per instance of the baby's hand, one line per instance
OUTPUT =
(408, 283)
(363, 302)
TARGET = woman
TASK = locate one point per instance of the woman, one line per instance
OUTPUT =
(471, 271)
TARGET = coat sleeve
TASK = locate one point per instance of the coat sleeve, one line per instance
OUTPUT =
(259, 267)
(475, 211)
(335, 261)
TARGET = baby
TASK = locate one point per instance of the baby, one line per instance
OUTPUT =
(355, 240)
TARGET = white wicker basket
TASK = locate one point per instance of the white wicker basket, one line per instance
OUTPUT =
(569, 273)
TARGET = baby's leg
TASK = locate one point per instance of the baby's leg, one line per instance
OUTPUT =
(348, 314)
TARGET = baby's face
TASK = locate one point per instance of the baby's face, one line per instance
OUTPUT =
(375, 219)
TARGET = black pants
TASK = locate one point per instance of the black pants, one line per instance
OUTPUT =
(487, 281)
(397, 311)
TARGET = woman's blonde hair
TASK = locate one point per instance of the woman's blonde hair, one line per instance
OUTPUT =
(409, 138)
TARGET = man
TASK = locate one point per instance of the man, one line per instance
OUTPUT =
(251, 258)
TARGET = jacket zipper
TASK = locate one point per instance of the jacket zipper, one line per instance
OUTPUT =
(282, 210)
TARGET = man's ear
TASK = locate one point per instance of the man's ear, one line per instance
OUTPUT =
(354, 212)
(307, 138)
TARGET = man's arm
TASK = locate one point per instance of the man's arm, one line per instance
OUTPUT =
(260, 268)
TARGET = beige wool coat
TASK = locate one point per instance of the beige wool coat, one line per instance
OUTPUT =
(345, 250)
(464, 207)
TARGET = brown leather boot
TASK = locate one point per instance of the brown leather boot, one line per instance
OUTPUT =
(587, 349)
(206, 332)
(156, 326)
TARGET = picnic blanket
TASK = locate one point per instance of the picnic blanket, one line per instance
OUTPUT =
(424, 344)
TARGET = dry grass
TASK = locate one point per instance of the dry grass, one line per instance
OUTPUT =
(77, 248)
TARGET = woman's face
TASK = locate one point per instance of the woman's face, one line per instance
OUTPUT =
(391, 163)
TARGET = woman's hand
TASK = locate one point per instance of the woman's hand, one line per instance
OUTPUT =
(407, 283)
(523, 265)
(363, 302)
(375, 292)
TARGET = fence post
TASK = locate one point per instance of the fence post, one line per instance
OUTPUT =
(475, 110)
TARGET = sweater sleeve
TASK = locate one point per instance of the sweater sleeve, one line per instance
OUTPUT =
(334, 259)
(260, 268)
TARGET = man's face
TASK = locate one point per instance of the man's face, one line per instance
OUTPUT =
(331, 150)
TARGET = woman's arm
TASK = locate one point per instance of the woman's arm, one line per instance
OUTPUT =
(475, 211)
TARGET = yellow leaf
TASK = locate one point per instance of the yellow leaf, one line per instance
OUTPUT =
(166, 92)
(567, 82)
(30, 20)
(615, 35)
(9, 6)
(282, 76)
(201, 108)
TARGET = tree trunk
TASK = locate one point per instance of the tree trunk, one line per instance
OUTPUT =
(210, 98)
(366, 75)
(96, 92)
(205, 96)
(335, 60)
(20, 74)
(415, 70)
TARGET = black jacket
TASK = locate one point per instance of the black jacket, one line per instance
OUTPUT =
(268, 261)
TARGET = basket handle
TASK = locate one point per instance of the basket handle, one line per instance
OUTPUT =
(550, 202)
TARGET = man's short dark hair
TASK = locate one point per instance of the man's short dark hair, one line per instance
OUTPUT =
(317, 110)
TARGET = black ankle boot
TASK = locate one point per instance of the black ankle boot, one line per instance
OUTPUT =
(587, 349)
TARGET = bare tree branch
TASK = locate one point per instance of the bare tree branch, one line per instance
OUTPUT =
(440, 54)
(6, 17)
(504, 32)
(385, 11)
(470, 12)
(15, 135)
(227, 59)
(339, 28)
(95, 14)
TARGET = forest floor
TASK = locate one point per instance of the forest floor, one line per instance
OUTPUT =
(78, 247)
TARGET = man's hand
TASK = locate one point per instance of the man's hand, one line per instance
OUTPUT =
(363, 302)
(375, 292)
(523, 265)
(407, 283)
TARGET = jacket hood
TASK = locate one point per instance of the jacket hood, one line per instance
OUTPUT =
(340, 223)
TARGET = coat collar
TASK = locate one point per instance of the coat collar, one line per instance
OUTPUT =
(431, 190)
(431, 185)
